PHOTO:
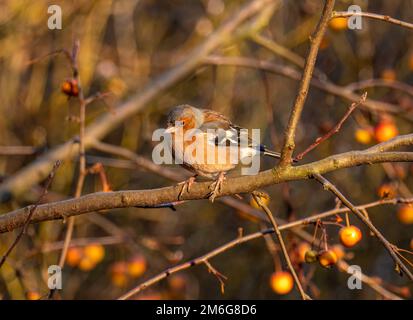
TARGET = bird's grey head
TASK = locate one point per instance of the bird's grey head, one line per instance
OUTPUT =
(185, 115)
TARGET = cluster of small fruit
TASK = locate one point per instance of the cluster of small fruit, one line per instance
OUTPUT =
(121, 272)
(282, 282)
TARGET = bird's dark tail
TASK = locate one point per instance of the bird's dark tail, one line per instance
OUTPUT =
(267, 152)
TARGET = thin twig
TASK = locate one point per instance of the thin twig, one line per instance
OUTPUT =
(31, 212)
(345, 14)
(334, 130)
(284, 250)
(289, 138)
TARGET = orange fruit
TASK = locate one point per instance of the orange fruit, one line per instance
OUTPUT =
(339, 251)
(327, 258)
(281, 282)
(70, 87)
(350, 236)
(136, 266)
(33, 295)
(177, 282)
(388, 74)
(265, 199)
(385, 131)
(338, 24)
(74, 255)
(302, 250)
(363, 136)
(86, 264)
(94, 252)
(386, 190)
(119, 275)
(405, 214)
(310, 256)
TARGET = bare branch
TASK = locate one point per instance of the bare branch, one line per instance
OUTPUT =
(289, 139)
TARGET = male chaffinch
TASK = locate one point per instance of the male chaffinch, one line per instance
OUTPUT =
(217, 134)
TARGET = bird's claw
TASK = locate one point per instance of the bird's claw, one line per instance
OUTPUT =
(216, 187)
(186, 186)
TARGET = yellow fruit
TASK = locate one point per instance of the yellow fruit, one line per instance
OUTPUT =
(385, 131)
(338, 24)
(265, 199)
(281, 282)
(339, 251)
(363, 136)
(86, 264)
(302, 249)
(405, 214)
(350, 236)
(310, 256)
(386, 190)
(94, 252)
(74, 255)
(327, 258)
(137, 266)
(33, 295)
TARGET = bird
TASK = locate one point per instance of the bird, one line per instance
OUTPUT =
(217, 134)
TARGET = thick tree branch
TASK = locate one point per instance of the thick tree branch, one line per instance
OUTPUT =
(244, 184)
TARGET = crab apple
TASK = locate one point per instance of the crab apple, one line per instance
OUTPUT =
(86, 264)
(385, 130)
(33, 295)
(363, 136)
(70, 87)
(118, 272)
(339, 251)
(386, 190)
(265, 199)
(338, 24)
(405, 214)
(310, 256)
(74, 255)
(137, 266)
(281, 282)
(350, 236)
(388, 74)
(327, 258)
(302, 250)
(95, 252)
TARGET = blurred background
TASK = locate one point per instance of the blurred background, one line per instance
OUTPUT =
(124, 44)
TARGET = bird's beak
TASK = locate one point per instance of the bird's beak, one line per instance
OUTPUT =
(170, 130)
